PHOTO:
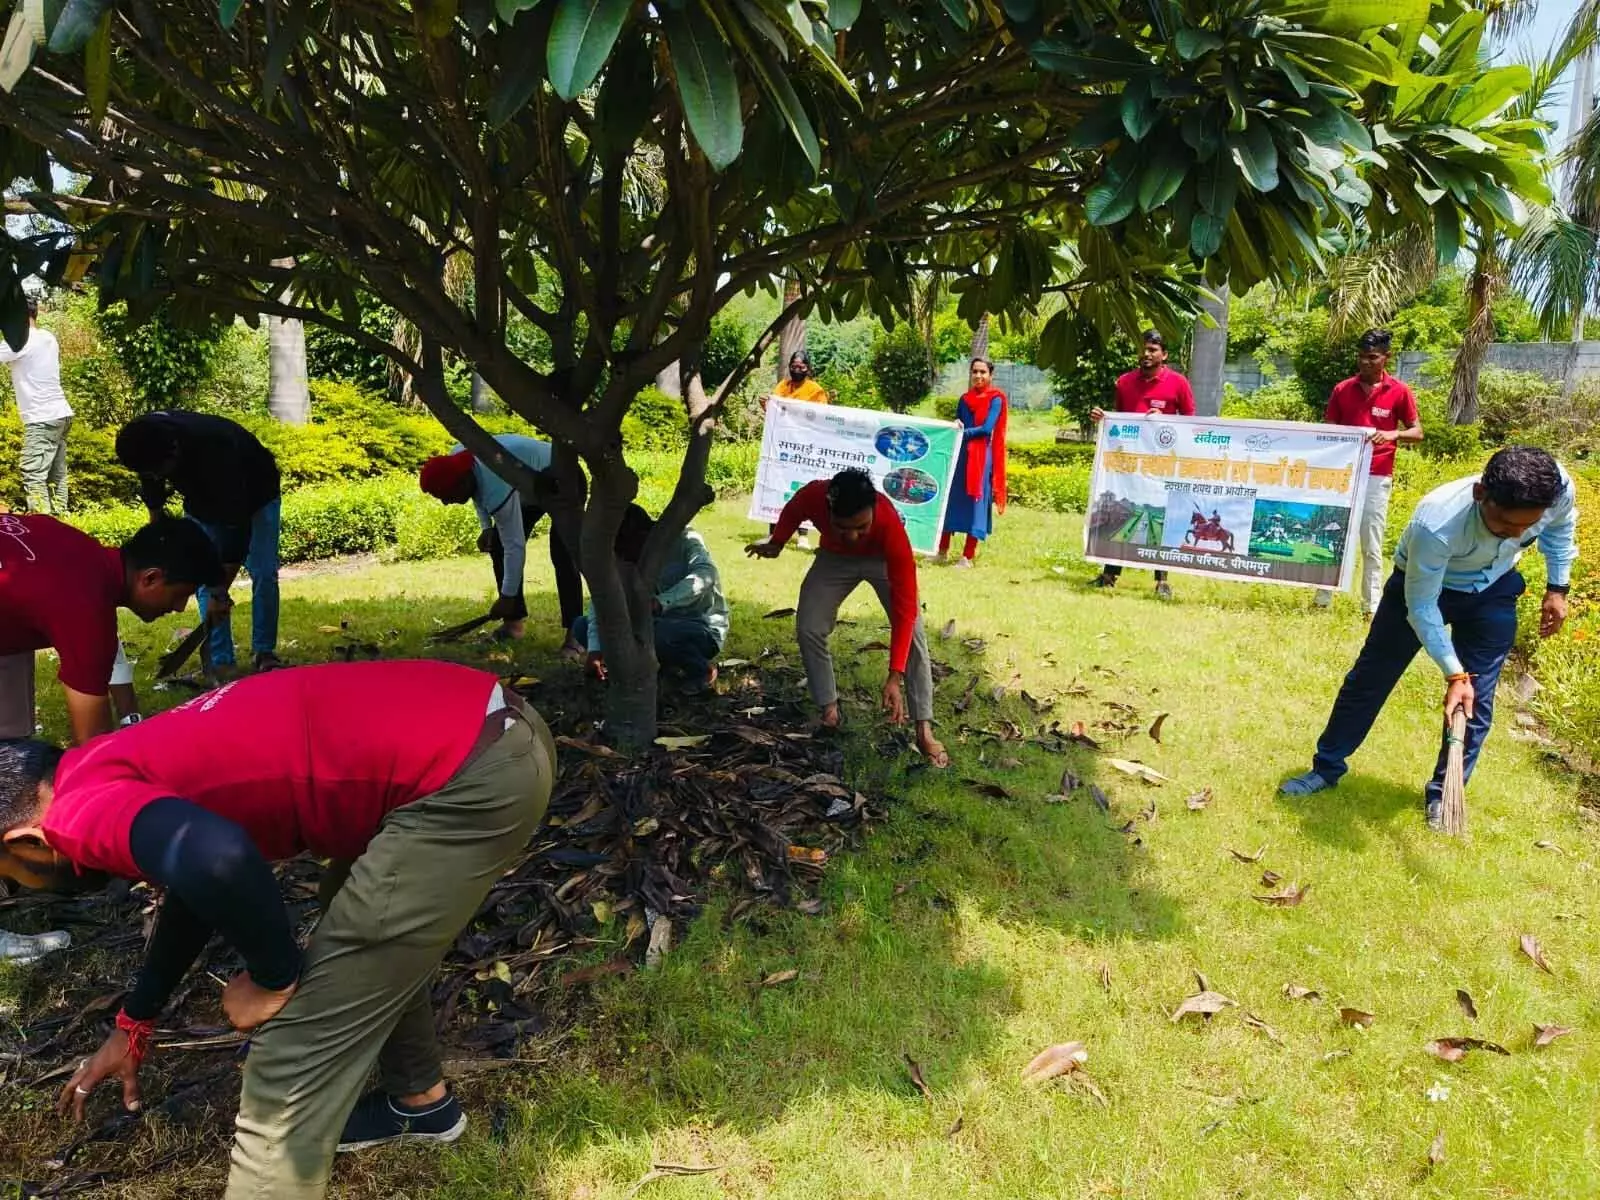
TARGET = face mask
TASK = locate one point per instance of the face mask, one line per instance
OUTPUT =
(797, 373)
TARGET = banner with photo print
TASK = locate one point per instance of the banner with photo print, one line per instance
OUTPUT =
(1261, 501)
(911, 459)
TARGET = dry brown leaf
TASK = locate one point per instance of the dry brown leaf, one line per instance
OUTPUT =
(1155, 726)
(1248, 858)
(1289, 897)
(1069, 782)
(1149, 811)
(1204, 1004)
(1295, 992)
(955, 1128)
(1101, 800)
(1543, 1035)
(949, 630)
(811, 907)
(777, 614)
(1138, 770)
(1436, 1149)
(807, 854)
(1270, 878)
(1105, 977)
(683, 743)
(1354, 1016)
(1196, 801)
(1008, 764)
(1256, 1022)
(1454, 1049)
(1055, 1061)
(873, 646)
(1530, 947)
(915, 1070)
(660, 942)
(1548, 846)
(778, 977)
(1464, 998)
(612, 966)
(986, 788)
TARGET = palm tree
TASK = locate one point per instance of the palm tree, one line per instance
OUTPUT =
(288, 397)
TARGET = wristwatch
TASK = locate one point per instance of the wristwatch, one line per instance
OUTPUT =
(130, 719)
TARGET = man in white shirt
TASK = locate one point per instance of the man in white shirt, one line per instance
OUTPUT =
(46, 415)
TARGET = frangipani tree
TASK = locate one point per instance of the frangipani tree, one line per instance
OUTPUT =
(1110, 153)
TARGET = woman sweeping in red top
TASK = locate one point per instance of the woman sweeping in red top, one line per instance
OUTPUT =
(980, 483)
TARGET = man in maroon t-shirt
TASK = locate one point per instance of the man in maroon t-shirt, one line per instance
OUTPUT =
(863, 540)
(1154, 388)
(1374, 399)
(59, 588)
(420, 781)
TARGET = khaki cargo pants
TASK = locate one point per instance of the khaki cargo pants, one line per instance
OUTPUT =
(371, 961)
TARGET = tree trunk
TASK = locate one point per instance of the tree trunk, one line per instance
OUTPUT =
(980, 338)
(1209, 354)
(620, 603)
(1476, 339)
(288, 397)
(792, 339)
(482, 396)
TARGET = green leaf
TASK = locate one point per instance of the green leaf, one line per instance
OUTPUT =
(775, 81)
(291, 28)
(1192, 43)
(1256, 154)
(1138, 108)
(1021, 10)
(1348, 16)
(958, 13)
(13, 311)
(626, 97)
(1114, 197)
(1446, 233)
(843, 13)
(1336, 57)
(581, 38)
(1205, 234)
(1492, 91)
(507, 10)
(97, 69)
(1218, 187)
(706, 84)
(77, 24)
(1103, 59)
(520, 73)
(476, 15)
(1160, 177)
(25, 31)
(1200, 132)
(1098, 128)
(228, 11)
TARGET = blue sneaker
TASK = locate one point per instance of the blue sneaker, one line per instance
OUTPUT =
(1304, 785)
(378, 1119)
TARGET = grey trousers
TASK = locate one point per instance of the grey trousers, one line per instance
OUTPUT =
(16, 695)
(827, 584)
(44, 465)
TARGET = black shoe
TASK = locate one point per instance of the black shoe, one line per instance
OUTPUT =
(379, 1119)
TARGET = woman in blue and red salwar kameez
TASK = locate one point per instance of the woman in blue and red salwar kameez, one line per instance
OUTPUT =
(980, 483)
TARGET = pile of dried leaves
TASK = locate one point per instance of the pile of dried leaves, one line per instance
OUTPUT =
(631, 849)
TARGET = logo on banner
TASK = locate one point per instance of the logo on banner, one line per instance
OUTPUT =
(1166, 437)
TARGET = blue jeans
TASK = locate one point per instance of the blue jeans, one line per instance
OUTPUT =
(1483, 627)
(261, 563)
(684, 646)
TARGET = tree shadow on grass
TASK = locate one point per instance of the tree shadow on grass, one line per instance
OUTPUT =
(1359, 807)
(892, 966)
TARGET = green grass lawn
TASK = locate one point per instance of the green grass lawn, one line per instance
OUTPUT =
(971, 932)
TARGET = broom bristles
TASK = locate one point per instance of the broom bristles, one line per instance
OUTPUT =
(1454, 801)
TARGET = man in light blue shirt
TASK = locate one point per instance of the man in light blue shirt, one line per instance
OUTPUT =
(691, 615)
(506, 518)
(1454, 594)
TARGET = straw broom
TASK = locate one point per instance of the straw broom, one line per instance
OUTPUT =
(1454, 801)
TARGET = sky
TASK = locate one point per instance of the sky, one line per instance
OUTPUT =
(1549, 22)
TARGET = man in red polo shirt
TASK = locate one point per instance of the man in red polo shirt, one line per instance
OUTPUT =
(420, 780)
(863, 539)
(59, 588)
(1374, 399)
(1154, 388)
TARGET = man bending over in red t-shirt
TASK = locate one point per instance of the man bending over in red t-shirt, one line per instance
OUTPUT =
(420, 780)
(863, 540)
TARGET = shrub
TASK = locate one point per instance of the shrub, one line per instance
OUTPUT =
(725, 347)
(952, 337)
(1320, 361)
(1054, 489)
(432, 530)
(900, 367)
(1441, 439)
(1280, 400)
(333, 355)
(166, 361)
(1092, 381)
(944, 407)
(853, 389)
(655, 421)
(1050, 454)
(840, 348)
(94, 476)
(1513, 402)
(238, 379)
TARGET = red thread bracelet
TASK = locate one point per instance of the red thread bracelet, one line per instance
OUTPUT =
(139, 1034)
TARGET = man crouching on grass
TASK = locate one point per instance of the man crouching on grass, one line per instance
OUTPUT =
(863, 540)
(1455, 566)
(420, 780)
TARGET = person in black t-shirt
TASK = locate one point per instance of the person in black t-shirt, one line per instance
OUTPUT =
(229, 484)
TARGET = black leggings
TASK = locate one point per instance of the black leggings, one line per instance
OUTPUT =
(569, 582)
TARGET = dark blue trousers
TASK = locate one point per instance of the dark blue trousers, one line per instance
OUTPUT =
(683, 645)
(1483, 626)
